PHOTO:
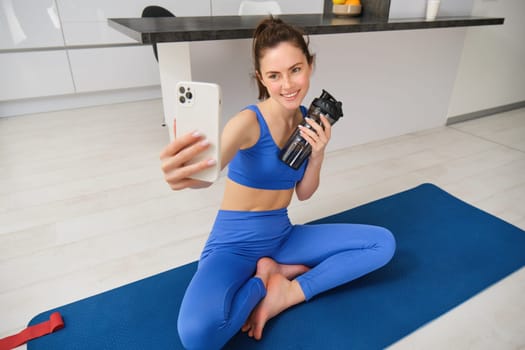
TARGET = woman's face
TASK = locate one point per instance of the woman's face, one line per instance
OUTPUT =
(285, 72)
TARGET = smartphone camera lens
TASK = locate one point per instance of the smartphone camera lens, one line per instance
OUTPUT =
(185, 95)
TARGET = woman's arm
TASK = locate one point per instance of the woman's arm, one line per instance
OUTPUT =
(318, 139)
(241, 131)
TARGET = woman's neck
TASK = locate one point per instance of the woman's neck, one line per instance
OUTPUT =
(276, 110)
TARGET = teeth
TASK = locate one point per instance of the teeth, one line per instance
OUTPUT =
(291, 95)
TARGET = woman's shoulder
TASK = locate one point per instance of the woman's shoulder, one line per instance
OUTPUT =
(245, 118)
(244, 127)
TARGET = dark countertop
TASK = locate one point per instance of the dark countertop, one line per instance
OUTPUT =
(171, 29)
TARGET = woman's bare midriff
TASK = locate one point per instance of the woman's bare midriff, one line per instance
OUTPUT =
(240, 197)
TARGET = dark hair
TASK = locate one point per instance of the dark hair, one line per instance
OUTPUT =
(269, 33)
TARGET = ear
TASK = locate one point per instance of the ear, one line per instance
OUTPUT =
(259, 77)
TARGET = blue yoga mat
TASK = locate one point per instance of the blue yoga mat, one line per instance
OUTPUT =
(447, 251)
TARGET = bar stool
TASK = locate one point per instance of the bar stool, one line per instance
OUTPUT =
(156, 11)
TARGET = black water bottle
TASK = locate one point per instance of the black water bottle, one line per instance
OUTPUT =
(297, 149)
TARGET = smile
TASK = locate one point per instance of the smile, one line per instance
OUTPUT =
(293, 94)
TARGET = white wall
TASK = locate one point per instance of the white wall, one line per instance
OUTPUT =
(234, 76)
(492, 66)
(417, 8)
(391, 83)
(231, 7)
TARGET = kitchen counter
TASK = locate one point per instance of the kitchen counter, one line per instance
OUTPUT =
(179, 29)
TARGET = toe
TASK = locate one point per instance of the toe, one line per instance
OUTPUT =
(246, 327)
(258, 332)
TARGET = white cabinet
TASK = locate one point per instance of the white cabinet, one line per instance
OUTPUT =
(231, 7)
(34, 74)
(29, 24)
(93, 33)
(85, 22)
(113, 68)
(40, 54)
(100, 10)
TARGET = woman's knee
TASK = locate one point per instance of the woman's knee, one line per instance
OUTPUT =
(387, 243)
(195, 331)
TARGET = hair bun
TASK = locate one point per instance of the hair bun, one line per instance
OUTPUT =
(270, 22)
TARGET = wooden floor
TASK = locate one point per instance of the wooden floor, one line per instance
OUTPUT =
(84, 208)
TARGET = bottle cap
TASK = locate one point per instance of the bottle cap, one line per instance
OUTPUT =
(329, 105)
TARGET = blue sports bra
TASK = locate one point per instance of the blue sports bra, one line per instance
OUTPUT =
(259, 166)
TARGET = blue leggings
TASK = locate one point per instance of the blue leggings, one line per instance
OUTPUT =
(223, 291)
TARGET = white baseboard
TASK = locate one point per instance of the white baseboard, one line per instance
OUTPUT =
(55, 103)
(484, 113)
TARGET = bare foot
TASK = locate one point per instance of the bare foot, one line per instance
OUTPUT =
(292, 271)
(267, 267)
(281, 294)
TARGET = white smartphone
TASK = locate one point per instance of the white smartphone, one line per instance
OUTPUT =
(198, 108)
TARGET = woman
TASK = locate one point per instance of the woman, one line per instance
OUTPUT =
(255, 263)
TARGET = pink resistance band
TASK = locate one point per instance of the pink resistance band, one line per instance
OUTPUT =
(54, 323)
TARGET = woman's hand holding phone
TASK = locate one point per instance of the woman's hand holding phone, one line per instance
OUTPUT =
(176, 156)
